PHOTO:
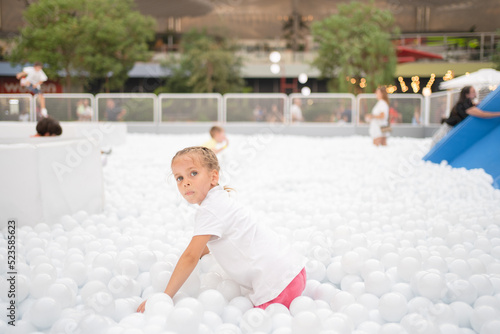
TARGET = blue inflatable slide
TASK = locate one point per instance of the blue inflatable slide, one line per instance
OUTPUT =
(474, 143)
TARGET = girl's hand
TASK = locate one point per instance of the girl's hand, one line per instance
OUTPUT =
(142, 307)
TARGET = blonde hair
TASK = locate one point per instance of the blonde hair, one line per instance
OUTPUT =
(383, 90)
(205, 156)
(214, 130)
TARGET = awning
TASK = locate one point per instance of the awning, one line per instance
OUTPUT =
(408, 55)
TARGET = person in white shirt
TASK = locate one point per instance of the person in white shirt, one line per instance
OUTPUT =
(295, 111)
(32, 77)
(252, 255)
(379, 117)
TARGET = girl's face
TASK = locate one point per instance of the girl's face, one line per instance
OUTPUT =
(378, 93)
(472, 93)
(193, 180)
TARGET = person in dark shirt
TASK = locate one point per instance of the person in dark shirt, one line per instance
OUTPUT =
(114, 113)
(462, 109)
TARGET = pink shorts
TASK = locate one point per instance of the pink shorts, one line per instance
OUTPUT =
(292, 291)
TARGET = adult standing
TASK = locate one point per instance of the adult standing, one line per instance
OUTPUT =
(296, 111)
(114, 113)
(32, 77)
(379, 117)
(462, 109)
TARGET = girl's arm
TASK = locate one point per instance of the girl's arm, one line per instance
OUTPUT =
(474, 111)
(187, 262)
(380, 116)
(205, 252)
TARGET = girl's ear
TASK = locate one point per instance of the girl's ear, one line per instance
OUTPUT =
(214, 178)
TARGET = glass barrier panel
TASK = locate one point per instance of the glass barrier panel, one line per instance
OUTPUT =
(68, 107)
(15, 107)
(402, 109)
(324, 108)
(255, 107)
(438, 108)
(189, 107)
(126, 107)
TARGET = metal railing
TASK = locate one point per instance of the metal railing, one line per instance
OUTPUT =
(317, 108)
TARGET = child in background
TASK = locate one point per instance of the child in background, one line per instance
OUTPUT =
(219, 141)
(48, 127)
(252, 255)
(32, 77)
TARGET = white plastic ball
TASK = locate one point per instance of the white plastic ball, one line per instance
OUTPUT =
(377, 283)
(62, 294)
(339, 323)
(305, 322)
(392, 329)
(407, 267)
(282, 320)
(211, 319)
(393, 307)
(335, 273)
(461, 290)
(482, 315)
(430, 284)
(490, 327)
(316, 270)
(301, 304)
(123, 308)
(357, 312)
(256, 320)
(231, 314)
(40, 284)
(44, 312)
(341, 299)
(212, 300)
(242, 303)
(325, 292)
(229, 289)
(368, 300)
(351, 262)
(183, 320)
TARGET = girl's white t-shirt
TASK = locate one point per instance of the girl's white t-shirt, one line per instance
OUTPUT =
(381, 107)
(251, 254)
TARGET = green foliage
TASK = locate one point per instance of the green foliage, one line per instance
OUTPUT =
(87, 39)
(355, 43)
(208, 64)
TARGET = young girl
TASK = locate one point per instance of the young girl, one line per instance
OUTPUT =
(379, 117)
(251, 255)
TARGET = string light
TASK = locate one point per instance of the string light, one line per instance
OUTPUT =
(391, 89)
(362, 83)
(402, 83)
(431, 81)
(415, 83)
(448, 75)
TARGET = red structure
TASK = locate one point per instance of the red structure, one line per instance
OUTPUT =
(408, 55)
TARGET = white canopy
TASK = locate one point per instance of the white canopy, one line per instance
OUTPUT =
(482, 78)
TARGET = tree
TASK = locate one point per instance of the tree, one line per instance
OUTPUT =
(84, 39)
(207, 64)
(355, 44)
(294, 31)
